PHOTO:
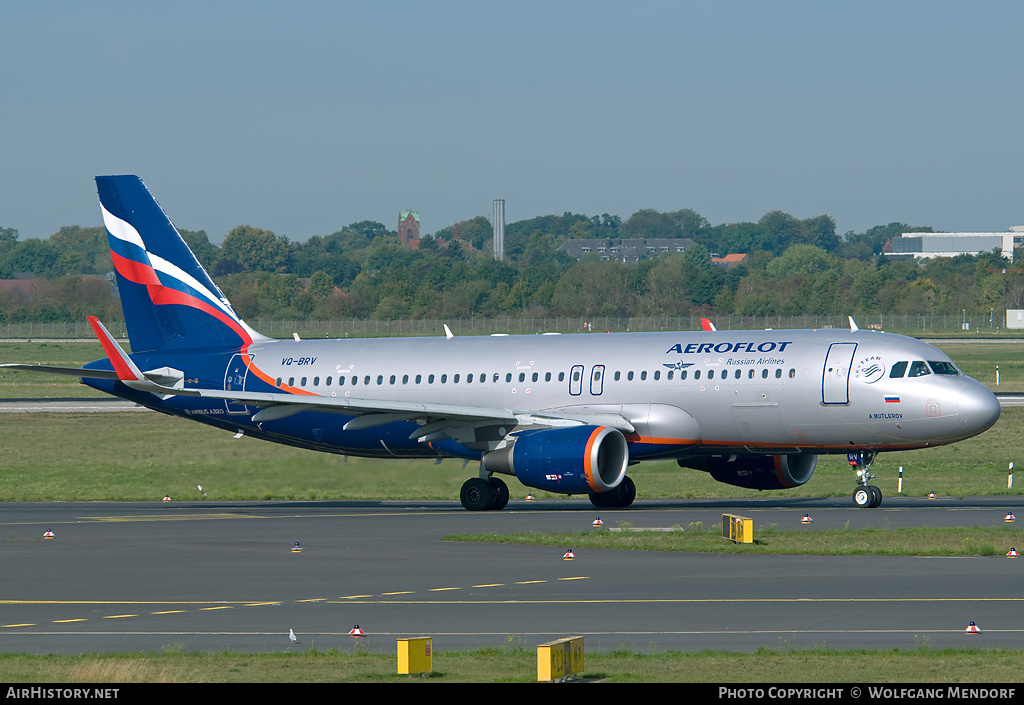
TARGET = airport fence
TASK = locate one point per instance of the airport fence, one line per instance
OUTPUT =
(919, 324)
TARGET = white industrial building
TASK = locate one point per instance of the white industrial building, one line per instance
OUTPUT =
(920, 245)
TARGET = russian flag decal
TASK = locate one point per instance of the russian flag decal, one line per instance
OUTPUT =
(892, 400)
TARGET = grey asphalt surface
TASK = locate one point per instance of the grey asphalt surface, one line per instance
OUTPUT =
(213, 576)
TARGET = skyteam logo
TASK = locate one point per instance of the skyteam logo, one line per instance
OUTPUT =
(870, 369)
(677, 365)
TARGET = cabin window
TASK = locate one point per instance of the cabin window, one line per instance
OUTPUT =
(316, 381)
(764, 374)
(522, 376)
(419, 378)
(444, 379)
(696, 374)
(657, 374)
(670, 375)
(629, 375)
(918, 368)
(469, 378)
(643, 375)
(738, 374)
(682, 375)
(291, 381)
(303, 382)
(711, 374)
(380, 379)
(508, 377)
(483, 378)
(278, 383)
(750, 375)
(792, 373)
(366, 379)
(778, 373)
(941, 367)
(405, 379)
(535, 377)
(547, 376)
(341, 381)
(455, 379)
(575, 376)
(391, 380)
(898, 369)
(561, 376)
(430, 379)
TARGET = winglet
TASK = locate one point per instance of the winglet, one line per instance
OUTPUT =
(123, 365)
(853, 326)
(706, 324)
(448, 332)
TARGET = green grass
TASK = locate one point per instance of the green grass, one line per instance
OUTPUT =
(142, 455)
(519, 665)
(958, 541)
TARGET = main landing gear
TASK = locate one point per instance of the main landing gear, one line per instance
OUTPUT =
(621, 496)
(479, 494)
(865, 495)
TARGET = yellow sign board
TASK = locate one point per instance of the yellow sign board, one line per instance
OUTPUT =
(561, 659)
(737, 528)
(414, 655)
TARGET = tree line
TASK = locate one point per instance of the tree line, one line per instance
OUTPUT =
(794, 266)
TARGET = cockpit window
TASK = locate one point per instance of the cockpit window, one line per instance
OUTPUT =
(919, 368)
(898, 370)
(941, 367)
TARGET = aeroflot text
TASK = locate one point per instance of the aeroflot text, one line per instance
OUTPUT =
(750, 347)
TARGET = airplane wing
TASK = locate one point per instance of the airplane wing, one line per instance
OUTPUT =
(436, 421)
(71, 371)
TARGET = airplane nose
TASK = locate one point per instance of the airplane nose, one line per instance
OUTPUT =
(979, 408)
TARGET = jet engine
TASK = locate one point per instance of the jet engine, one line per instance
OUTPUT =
(576, 460)
(756, 472)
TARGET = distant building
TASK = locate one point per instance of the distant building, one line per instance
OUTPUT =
(626, 250)
(921, 245)
(409, 229)
(729, 261)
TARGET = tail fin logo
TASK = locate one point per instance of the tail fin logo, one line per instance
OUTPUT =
(175, 299)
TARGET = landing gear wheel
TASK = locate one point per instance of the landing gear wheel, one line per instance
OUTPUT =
(876, 496)
(627, 492)
(621, 496)
(862, 497)
(499, 494)
(476, 494)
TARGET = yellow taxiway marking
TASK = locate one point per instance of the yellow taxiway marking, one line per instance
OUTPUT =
(222, 607)
(529, 582)
(18, 625)
(119, 616)
(491, 585)
(402, 592)
(169, 612)
(62, 621)
(442, 589)
(127, 602)
(353, 597)
(582, 577)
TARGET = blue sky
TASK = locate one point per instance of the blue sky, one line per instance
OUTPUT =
(303, 117)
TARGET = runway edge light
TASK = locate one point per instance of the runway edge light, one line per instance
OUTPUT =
(972, 628)
(48, 534)
(356, 631)
(569, 555)
(597, 522)
(807, 519)
(1012, 553)
(1009, 517)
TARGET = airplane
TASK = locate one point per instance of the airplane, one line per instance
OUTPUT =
(567, 414)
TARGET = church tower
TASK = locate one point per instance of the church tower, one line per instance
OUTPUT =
(409, 229)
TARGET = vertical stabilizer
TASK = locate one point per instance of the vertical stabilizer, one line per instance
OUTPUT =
(169, 301)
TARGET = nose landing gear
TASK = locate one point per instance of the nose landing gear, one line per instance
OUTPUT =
(865, 495)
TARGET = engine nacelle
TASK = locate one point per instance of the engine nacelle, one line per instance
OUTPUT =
(757, 472)
(576, 460)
